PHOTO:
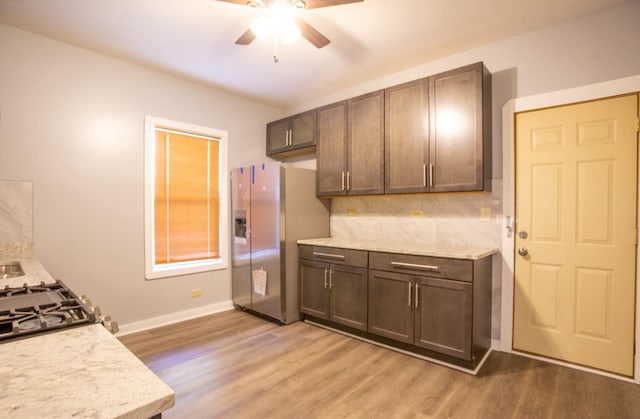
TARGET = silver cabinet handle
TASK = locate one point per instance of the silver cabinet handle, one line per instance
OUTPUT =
(328, 255)
(290, 137)
(348, 180)
(330, 278)
(430, 174)
(424, 175)
(343, 184)
(409, 296)
(325, 277)
(417, 298)
(414, 266)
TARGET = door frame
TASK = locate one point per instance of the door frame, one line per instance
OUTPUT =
(596, 91)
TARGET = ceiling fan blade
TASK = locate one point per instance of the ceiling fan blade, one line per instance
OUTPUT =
(316, 4)
(246, 38)
(242, 2)
(309, 33)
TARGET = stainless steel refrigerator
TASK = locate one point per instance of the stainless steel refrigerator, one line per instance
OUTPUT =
(273, 206)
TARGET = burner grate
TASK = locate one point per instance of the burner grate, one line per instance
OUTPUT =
(35, 309)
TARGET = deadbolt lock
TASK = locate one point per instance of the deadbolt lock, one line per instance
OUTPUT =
(523, 234)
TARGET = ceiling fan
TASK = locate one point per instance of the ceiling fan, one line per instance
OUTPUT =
(276, 7)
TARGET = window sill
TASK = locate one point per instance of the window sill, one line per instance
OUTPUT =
(178, 269)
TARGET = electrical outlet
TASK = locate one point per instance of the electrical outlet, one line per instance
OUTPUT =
(197, 292)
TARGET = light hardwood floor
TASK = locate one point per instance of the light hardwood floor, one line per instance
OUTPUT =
(235, 365)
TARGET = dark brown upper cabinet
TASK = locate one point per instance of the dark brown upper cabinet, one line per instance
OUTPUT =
(350, 151)
(460, 129)
(331, 151)
(407, 137)
(292, 136)
(438, 133)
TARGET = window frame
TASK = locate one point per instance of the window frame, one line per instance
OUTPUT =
(153, 271)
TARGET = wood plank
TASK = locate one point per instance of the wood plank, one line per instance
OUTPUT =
(233, 364)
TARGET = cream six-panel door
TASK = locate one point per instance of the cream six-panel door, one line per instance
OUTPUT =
(575, 262)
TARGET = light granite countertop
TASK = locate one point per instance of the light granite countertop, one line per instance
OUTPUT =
(81, 372)
(34, 272)
(402, 247)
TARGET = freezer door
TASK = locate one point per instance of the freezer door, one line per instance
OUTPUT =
(241, 237)
(265, 239)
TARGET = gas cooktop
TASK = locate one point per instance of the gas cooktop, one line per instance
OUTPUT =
(28, 310)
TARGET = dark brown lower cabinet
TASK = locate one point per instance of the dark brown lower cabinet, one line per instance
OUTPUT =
(334, 292)
(433, 306)
(443, 316)
(391, 305)
(431, 313)
(313, 287)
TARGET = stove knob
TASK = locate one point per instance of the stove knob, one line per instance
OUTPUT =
(114, 327)
(85, 300)
(96, 311)
(110, 325)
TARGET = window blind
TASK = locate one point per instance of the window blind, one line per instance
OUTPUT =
(186, 200)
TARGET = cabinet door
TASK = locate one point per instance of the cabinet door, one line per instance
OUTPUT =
(390, 305)
(303, 129)
(444, 316)
(457, 151)
(366, 144)
(277, 136)
(331, 150)
(407, 137)
(348, 289)
(314, 288)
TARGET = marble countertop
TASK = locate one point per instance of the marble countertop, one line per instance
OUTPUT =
(421, 249)
(34, 272)
(81, 372)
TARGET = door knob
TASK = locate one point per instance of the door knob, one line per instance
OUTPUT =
(523, 251)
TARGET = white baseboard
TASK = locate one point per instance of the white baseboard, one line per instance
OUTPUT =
(180, 316)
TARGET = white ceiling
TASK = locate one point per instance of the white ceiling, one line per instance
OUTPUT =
(194, 39)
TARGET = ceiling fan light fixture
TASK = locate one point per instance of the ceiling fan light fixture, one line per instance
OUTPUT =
(261, 27)
(280, 21)
(290, 34)
(299, 4)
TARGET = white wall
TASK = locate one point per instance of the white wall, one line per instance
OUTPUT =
(591, 49)
(72, 122)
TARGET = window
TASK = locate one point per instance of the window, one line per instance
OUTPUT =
(185, 198)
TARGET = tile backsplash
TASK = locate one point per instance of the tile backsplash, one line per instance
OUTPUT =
(470, 219)
(16, 212)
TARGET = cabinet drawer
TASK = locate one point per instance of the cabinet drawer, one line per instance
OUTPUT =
(458, 269)
(336, 255)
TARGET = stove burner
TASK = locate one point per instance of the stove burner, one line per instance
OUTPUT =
(49, 320)
(29, 324)
(32, 309)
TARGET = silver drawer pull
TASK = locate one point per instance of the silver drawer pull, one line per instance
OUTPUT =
(414, 266)
(328, 255)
